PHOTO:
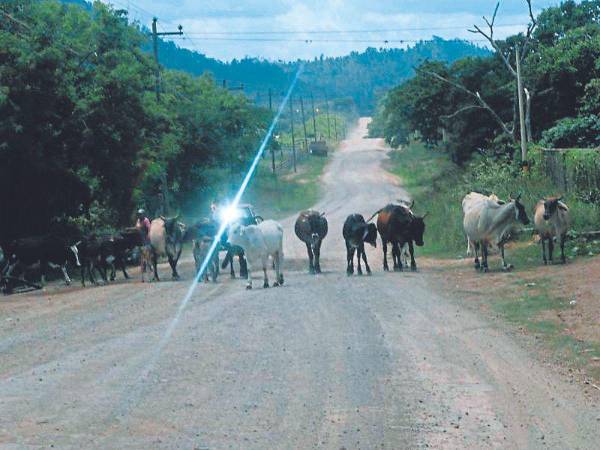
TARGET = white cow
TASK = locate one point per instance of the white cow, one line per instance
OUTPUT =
(259, 242)
(489, 223)
(474, 199)
(552, 220)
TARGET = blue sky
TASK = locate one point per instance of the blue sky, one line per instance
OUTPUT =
(416, 19)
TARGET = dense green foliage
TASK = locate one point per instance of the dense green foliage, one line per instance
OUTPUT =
(82, 137)
(561, 71)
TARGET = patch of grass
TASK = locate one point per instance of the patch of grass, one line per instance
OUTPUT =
(278, 196)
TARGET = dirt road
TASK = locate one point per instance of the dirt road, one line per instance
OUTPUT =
(324, 362)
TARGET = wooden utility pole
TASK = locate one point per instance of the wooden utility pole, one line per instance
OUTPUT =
(312, 100)
(155, 36)
(304, 124)
(327, 111)
(521, 113)
(335, 127)
(293, 139)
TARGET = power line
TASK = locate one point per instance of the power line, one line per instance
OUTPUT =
(378, 30)
(310, 40)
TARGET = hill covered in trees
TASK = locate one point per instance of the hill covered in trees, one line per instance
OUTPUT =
(361, 76)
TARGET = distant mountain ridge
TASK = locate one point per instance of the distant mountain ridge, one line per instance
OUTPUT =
(361, 76)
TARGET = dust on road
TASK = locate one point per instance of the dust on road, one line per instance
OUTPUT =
(324, 362)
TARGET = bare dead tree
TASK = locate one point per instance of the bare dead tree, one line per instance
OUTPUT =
(523, 48)
(480, 102)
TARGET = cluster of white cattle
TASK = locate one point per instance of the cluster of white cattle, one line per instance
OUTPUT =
(489, 222)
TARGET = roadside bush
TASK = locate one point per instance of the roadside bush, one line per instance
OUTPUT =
(573, 132)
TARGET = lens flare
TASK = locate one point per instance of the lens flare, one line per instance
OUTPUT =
(232, 210)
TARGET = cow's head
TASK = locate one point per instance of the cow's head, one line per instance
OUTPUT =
(521, 214)
(551, 205)
(370, 235)
(237, 235)
(417, 230)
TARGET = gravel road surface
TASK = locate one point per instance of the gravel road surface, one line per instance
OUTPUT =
(328, 361)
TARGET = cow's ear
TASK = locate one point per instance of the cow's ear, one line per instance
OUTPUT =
(163, 218)
(323, 214)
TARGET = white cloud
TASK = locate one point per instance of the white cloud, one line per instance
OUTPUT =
(436, 16)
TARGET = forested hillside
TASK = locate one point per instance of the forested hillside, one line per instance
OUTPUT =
(361, 76)
(471, 105)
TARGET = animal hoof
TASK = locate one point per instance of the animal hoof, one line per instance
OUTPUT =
(276, 284)
(266, 285)
(413, 268)
(386, 269)
(248, 288)
(317, 270)
(281, 280)
(508, 268)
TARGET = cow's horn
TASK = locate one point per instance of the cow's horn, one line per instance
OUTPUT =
(163, 218)
(425, 215)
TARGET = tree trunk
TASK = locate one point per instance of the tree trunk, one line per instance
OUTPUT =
(528, 116)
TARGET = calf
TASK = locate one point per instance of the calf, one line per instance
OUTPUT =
(311, 228)
(259, 242)
(399, 226)
(45, 251)
(356, 232)
(552, 219)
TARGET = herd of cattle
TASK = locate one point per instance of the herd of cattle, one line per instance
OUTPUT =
(488, 224)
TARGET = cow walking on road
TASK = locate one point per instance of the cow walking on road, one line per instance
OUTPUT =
(259, 243)
(399, 226)
(311, 228)
(166, 238)
(356, 232)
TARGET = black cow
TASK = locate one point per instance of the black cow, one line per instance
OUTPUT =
(43, 251)
(356, 232)
(399, 226)
(311, 228)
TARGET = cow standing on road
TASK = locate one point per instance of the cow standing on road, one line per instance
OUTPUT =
(259, 243)
(356, 232)
(311, 228)
(166, 238)
(399, 226)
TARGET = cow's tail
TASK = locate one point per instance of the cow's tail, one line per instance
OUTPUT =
(374, 214)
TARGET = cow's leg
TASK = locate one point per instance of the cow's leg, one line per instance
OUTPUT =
(476, 247)
(386, 268)
(364, 257)
(551, 249)
(65, 274)
(562, 248)
(543, 242)
(413, 263)
(484, 253)
(243, 265)
(505, 266)
(311, 266)
(318, 257)
(359, 251)
(173, 264)
(229, 260)
(249, 283)
(398, 267)
(349, 259)
(155, 264)
(123, 267)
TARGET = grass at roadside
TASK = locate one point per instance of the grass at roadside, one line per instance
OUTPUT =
(534, 299)
(279, 196)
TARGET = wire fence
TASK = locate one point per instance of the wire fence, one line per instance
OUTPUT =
(574, 170)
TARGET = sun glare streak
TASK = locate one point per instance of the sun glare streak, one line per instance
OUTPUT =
(223, 226)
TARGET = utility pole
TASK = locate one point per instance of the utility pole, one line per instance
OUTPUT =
(155, 35)
(304, 124)
(327, 110)
(521, 113)
(272, 148)
(293, 139)
(335, 127)
(312, 100)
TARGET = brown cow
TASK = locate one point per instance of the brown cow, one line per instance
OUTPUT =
(399, 226)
